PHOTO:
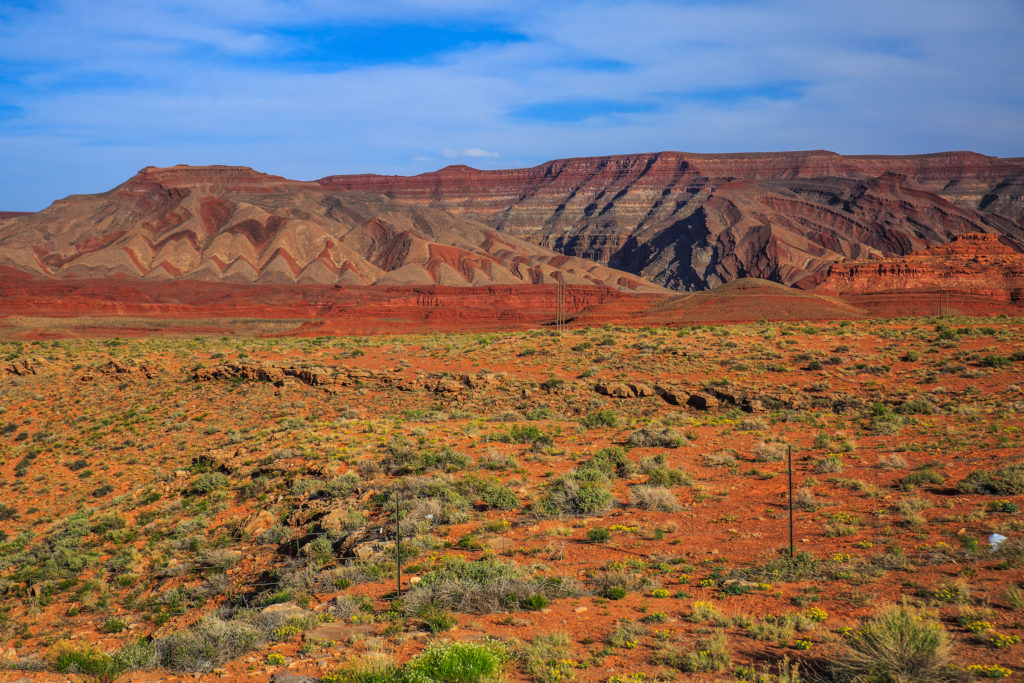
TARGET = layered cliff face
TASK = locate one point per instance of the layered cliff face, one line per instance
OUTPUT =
(979, 265)
(229, 224)
(692, 221)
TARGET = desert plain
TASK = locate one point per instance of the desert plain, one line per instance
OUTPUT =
(588, 503)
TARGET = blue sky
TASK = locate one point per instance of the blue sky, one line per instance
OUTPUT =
(93, 90)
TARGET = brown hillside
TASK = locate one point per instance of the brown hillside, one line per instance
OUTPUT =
(228, 224)
(692, 221)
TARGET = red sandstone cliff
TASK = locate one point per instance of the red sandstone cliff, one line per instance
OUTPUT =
(689, 221)
(980, 265)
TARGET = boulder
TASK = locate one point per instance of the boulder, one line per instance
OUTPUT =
(289, 677)
(724, 395)
(286, 610)
(314, 377)
(702, 401)
(24, 366)
(671, 395)
(640, 389)
(335, 520)
(446, 385)
(753, 405)
(248, 371)
(614, 389)
(259, 523)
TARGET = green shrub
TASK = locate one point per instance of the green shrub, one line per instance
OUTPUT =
(626, 634)
(1008, 480)
(113, 625)
(535, 603)
(884, 421)
(601, 418)
(207, 645)
(898, 644)
(370, 669)
(481, 587)
(458, 662)
(829, 464)
(610, 462)
(668, 476)
(665, 437)
(499, 497)
(86, 661)
(531, 434)
(137, 654)
(614, 592)
(598, 534)
(709, 655)
(437, 620)
(208, 482)
(917, 406)
(1002, 506)
(403, 457)
(541, 659)
(568, 497)
(920, 477)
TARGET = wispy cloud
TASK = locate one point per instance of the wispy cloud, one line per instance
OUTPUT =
(92, 91)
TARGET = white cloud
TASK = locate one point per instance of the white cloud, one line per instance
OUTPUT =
(477, 153)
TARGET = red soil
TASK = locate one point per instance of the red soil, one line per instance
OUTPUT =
(320, 309)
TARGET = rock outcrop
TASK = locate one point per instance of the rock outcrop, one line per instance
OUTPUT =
(980, 265)
(693, 221)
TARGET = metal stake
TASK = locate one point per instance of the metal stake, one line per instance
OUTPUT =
(790, 469)
(398, 539)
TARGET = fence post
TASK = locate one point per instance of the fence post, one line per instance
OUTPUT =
(398, 540)
(790, 471)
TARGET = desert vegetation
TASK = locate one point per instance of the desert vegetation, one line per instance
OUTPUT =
(243, 505)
